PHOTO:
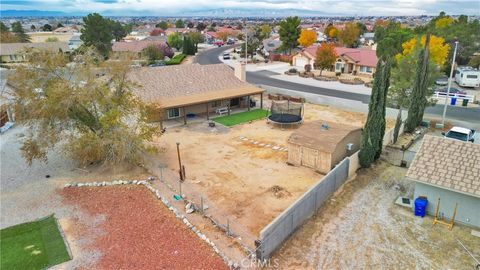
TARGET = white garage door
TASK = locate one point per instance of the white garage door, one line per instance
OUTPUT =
(301, 61)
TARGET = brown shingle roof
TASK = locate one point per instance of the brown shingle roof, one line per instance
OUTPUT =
(448, 164)
(180, 85)
(134, 46)
(16, 48)
(312, 135)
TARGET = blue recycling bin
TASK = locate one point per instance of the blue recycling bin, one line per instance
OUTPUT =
(453, 101)
(420, 206)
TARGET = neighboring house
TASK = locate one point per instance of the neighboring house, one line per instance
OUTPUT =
(135, 46)
(359, 61)
(184, 91)
(367, 39)
(321, 146)
(67, 30)
(448, 170)
(161, 38)
(15, 52)
(211, 37)
(172, 30)
(75, 42)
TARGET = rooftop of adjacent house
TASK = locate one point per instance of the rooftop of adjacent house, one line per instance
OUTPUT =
(134, 46)
(448, 164)
(182, 85)
(314, 135)
(363, 57)
(15, 48)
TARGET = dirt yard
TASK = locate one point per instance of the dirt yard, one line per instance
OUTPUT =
(138, 233)
(43, 36)
(362, 228)
(238, 170)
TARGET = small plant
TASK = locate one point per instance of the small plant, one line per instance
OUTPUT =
(234, 57)
(308, 68)
(293, 70)
(177, 59)
(338, 74)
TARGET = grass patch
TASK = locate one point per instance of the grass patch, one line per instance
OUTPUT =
(177, 59)
(32, 245)
(240, 118)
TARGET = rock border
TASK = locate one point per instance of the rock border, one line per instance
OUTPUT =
(230, 263)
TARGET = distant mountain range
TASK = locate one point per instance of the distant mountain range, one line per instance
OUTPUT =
(221, 12)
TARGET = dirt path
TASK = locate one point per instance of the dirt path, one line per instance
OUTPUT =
(361, 227)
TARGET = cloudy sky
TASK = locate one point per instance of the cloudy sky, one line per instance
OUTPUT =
(174, 7)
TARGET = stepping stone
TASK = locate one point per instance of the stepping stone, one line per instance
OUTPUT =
(268, 145)
(275, 148)
(262, 144)
(242, 137)
(255, 142)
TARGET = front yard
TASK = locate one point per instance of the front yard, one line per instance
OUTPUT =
(32, 245)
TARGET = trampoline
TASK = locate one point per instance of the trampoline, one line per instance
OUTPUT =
(286, 112)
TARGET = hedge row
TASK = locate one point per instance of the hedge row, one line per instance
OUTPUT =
(177, 59)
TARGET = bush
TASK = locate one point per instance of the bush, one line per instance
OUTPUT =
(177, 59)
(308, 68)
(293, 70)
(338, 73)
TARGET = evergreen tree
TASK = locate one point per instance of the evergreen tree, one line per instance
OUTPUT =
(19, 32)
(418, 100)
(97, 33)
(374, 130)
(290, 32)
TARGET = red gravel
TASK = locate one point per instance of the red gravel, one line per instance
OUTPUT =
(140, 232)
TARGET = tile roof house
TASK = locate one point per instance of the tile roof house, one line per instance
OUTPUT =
(448, 170)
(182, 90)
(357, 61)
(15, 52)
(134, 46)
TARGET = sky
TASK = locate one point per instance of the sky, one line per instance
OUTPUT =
(178, 7)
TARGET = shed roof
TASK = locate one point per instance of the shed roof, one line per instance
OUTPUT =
(312, 135)
(15, 48)
(448, 164)
(182, 85)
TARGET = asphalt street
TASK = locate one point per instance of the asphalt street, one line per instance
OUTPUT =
(459, 114)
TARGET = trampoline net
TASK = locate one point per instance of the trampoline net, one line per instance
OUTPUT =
(286, 107)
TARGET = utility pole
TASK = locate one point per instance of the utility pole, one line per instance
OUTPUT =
(179, 162)
(449, 85)
(246, 42)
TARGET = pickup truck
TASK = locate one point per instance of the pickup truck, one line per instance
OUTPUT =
(460, 133)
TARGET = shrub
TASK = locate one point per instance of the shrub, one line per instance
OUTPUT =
(338, 73)
(177, 59)
(308, 68)
(293, 70)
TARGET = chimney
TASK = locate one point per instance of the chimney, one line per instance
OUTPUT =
(240, 71)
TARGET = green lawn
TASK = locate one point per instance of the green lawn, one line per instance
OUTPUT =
(243, 117)
(32, 245)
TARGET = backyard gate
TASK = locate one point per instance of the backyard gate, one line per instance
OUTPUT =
(275, 233)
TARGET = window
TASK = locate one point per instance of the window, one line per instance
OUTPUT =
(217, 103)
(338, 66)
(365, 69)
(369, 70)
(472, 76)
(173, 113)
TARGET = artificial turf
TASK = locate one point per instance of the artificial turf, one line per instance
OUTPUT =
(32, 245)
(240, 118)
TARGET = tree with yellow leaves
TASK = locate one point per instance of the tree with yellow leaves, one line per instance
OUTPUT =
(307, 37)
(331, 31)
(349, 36)
(444, 22)
(438, 49)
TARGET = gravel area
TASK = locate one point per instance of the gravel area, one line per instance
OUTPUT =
(139, 231)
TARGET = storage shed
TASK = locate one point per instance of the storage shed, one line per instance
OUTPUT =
(321, 145)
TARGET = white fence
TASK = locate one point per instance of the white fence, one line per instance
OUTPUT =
(471, 98)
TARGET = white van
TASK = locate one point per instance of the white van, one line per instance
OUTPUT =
(467, 76)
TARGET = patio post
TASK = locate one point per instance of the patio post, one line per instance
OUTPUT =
(248, 102)
(184, 116)
(208, 115)
(228, 106)
(261, 100)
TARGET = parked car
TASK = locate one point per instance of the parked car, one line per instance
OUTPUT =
(219, 43)
(461, 134)
(453, 91)
(226, 56)
(230, 42)
(442, 81)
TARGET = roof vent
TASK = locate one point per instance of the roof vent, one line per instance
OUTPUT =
(325, 126)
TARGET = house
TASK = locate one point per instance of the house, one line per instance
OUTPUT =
(135, 47)
(367, 38)
(67, 30)
(356, 61)
(15, 52)
(448, 170)
(182, 31)
(321, 146)
(271, 45)
(75, 42)
(184, 91)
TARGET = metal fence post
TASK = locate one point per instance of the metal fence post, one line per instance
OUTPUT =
(180, 187)
(228, 227)
(201, 205)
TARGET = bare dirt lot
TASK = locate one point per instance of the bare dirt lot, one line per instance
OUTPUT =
(362, 228)
(138, 233)
(244, 179)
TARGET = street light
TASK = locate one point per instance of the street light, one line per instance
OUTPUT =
(449, 85)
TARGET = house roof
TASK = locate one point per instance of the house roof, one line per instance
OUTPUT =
(312, 135)
(182, 85)
(448, 164)
(15, 48)
(134, 46)
(362, 57)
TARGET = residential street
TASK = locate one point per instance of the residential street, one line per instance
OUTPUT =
(470, 117)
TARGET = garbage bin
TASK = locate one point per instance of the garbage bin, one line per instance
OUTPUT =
(453, 101)
(420, 206)
(465, 102)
